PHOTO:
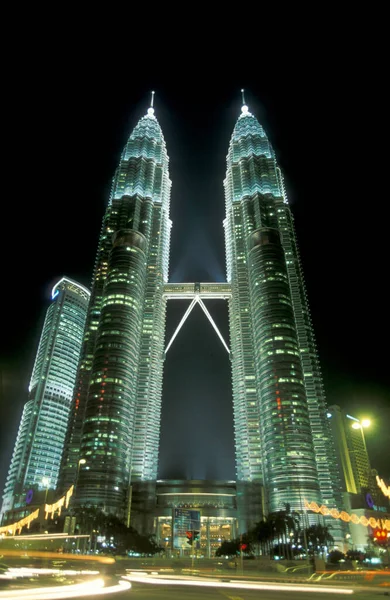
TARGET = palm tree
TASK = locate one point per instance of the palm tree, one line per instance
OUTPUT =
(278, 523)
(319, 536)
(262, 534)
(292, 524)
(292, 517)
(284, 522)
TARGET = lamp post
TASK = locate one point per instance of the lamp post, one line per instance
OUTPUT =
(82, 461)
(304, 526)
(363, 468)
(46, 483)
(303, 520)
(363, 424)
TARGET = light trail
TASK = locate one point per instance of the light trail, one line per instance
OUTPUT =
(90, 588)
(107, 560)
(242, 585)
(31, 571)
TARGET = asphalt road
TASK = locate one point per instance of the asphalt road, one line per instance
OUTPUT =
(140, 591)
(185, 588)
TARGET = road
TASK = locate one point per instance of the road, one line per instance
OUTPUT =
(93, 579)
(143, 591)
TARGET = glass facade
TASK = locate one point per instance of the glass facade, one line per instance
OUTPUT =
(39, 445)
(282, 435)
(116, 409)
(217, 505)
(351, 451)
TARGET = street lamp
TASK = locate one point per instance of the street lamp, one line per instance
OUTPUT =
(82, 461)
(46, 483)
(303, 519)
(363, 424)
(304, 524)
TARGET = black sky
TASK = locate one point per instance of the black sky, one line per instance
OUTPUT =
(70, 107)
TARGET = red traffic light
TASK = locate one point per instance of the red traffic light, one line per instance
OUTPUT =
(243, 546)
(380, 535)
(189, 537)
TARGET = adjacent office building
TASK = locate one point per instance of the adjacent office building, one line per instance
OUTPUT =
(351, 450)
(36, 458)
(361, 494)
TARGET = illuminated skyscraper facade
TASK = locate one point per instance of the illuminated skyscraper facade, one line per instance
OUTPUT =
(115, 421)
(36, 459)
(351, 451)
(282, 435)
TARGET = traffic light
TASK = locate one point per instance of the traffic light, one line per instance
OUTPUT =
(243, 547)
(190, 538)
(196, 535)
(380, 536)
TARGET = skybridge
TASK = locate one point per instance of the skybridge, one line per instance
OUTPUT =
(197, 292)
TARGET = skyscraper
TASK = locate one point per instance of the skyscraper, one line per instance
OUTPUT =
(351, 451)
(361, 494)
(282, 435)
(116, 411)
(281, 431)
(39, 445)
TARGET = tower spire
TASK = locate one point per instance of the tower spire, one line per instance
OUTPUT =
(244, 108)
(151, 109)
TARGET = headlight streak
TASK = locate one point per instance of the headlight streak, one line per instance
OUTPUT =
(242, 585)
(30, 572)
(90, 588)
(107, 560)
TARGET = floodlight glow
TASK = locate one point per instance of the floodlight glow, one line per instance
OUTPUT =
(366, 422)
(356, 425)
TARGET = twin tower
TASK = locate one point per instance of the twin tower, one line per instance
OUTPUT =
(282, 435)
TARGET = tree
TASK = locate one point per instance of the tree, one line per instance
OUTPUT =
(319, 537)
(291, 518)
(355, 555)
(228, 548)
(262, 534)
(283, 523)
(95, 522)
(233, 547)
(335, 556)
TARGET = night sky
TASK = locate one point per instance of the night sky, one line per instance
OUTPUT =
(325, 114)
